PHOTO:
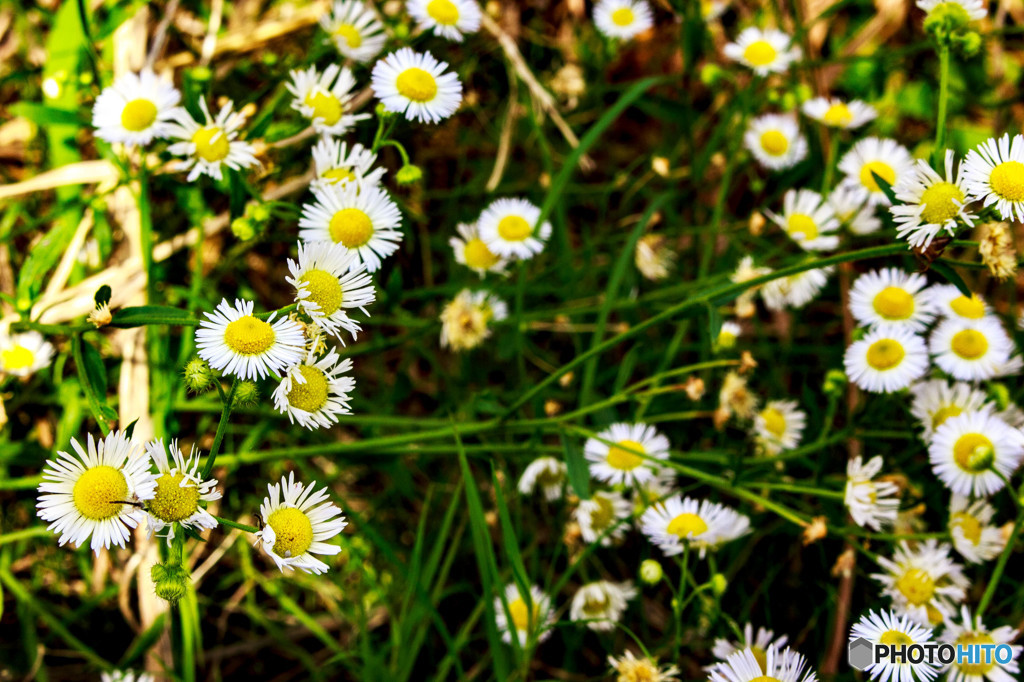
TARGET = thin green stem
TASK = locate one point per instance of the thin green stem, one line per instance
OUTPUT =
(222, 427)
(940, 125)
(997, 572)
(235, 524)
(830, 161)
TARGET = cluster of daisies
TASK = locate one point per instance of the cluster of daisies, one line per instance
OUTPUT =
(630, 461)
(100, 492)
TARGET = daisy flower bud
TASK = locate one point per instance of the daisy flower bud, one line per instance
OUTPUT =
(409, 175)
(247, 394)
(198, 376)
(719, 583)
(651, 571)
(243, 228)
(170, 581)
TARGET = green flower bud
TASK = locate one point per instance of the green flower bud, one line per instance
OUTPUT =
(201, 74)
(170, 581)
(711, 74)
(258, 212)
(383, 113)
(409, 175)
(1000, 394)
(719, 583)
(198, 376)
(243, 228)
(968, 44)
(803, 92)
(651, 571)
(247, 394)
(835, 382)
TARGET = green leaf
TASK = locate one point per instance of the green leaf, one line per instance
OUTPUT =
(102, 295)
(953, 277)
(143, 642)
(93, 377)
(508, 537)
(44, 116)
(44, 256)
(138, 316)
(886, 188)
(131, 428)
(576, 468)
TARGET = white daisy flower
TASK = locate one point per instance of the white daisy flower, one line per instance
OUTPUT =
(835, 113)
(872, 504)
(891, 299)
(602, 515)
(763, 51)
(994, 173)
(712, 9)
(416, 85)
(615, 458)
(96, 492)
(136, 109)
(932, 203)
(758, 644)
(652, 491)
(179, 490)
(630, 668)
(509, 228)
(126, 676)
(325, 98)
(451, 19)
(329, 280)
(887, 627)
(602, 603)
(210, 145)
(974, 452)
(234, 341)
(365, 220)
(527, 620)
(970, 630)
(923, 582)
(355, 30)
(24, 354)
(335, 164)
(471, 251)
(622, 19)
(546, 473)
(974, 538)
(466, 319)
(937, 400)
(315, 392)
(775, 141)
(297, 523)
(746, 271)
(781, 665)
(885, 361)
(728, 334)
(702, 524)
(852, 208)
(808, 220)
(971, 350)
(949, 302)
(872, 156)
(779, 426)
(975, 8)
(795, 291)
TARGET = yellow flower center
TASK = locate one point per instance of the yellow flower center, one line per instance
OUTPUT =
(294, 532)
(917, 586)
(17, 357)
(138, 115)
(939, 202)
(774, 421)
(351, 35)
(478, 256)
(973, 453)
(894, 303)
(986, 663)
(944, 413)
(935, 616)
(623, 16)
(513, 228)
(759, 53)
(100, 493)
(324, 290)
(325, 106)
(311, 395)
(595, 605)
(970, 526)
(1007, 180)
(969, 344)
(351, 227)
(879, 168)
(173, 502)
(800, 223)
(896, 637)
(619, 456)
(885, 354)
(972, 308)
(838, 116)
(765, 678)
(339, 175)
(550, 477)
(774, 142)
(416, 84)
(602, 517)
(211, 144)
(443, 12)
(519, 614)
(687, 525)
(249, 336)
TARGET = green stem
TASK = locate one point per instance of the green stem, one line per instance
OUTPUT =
(940, 125)
(830, 161)
(401, 150)
(280, 312)
(222, 427)
(235, 524)
(997, 573)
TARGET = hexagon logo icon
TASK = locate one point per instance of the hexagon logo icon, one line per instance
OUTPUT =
(859, 653)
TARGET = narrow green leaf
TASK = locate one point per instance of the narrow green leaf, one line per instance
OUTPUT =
(96, 401)
(576, 465)
(138, 316)
(143, 642)
(953, 277)
(102, 295)
(44, 116)
(886, 188)
(509, 539)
